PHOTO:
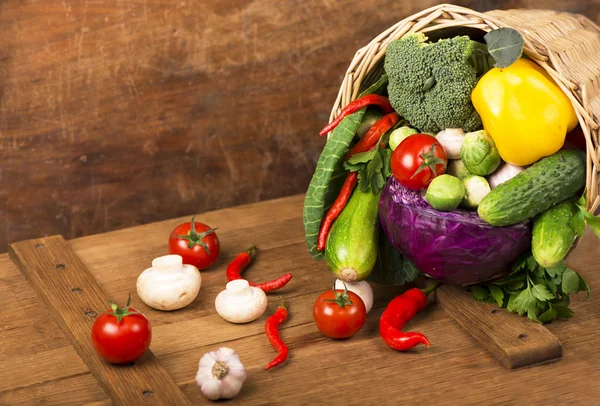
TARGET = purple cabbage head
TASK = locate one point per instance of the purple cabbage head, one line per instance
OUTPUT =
(454, 247)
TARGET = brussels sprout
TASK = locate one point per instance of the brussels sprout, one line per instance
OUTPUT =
(476, 188)
(479, 153)
(456, 167)
(399, 134)
(445, 193)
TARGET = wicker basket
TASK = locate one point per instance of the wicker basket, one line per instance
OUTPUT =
(566, 45)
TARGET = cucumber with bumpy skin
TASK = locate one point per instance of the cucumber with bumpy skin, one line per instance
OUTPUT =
(539, 187)
(553, 235)
(351, 247)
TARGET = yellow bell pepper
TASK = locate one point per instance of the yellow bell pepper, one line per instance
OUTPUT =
(524, 111)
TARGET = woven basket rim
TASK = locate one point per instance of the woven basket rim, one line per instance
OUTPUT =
(583, 90)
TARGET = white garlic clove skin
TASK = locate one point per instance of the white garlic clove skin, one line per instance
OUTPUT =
(240, 302)
(221, 374)
(169, 284)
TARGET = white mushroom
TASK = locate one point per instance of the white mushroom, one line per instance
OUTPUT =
(169, 284)
(240, 302)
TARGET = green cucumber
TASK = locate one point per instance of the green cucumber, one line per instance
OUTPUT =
(553, 235)
(351, 247)
(539, 187)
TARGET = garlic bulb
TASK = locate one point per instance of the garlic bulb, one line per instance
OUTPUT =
(169, 284)
(240, 302)
(220, 374)
(451, 139)
(504, 172)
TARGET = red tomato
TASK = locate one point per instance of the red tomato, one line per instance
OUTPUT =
(339, 318)
(121, 335)
(418, 160)
(197, 244)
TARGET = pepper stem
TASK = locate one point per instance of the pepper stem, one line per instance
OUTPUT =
(430, 289)
(252, 251)
(282, 303)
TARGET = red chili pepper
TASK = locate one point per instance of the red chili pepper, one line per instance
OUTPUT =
(242, 260)
(369, 140)
(272, 329)
(398, 312)
(356, 105)
(336, 208)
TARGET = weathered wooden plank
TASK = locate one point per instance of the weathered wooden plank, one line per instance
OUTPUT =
(75, 390)
(515, 341)
(54, 270)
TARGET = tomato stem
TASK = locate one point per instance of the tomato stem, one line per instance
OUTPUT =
(121, 312)
(429, 161)
(342, 299)
(193, 238)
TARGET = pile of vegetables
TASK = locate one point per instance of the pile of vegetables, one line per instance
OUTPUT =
(454, 166)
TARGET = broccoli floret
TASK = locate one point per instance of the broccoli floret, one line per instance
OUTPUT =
(430, 84)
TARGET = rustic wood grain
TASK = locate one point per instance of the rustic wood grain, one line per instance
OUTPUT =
(119, 113)
(456, 370)
(54, 271)
(515, 341)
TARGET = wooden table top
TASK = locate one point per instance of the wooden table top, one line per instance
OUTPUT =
(39, 365)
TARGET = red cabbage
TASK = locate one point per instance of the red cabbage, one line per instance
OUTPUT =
(454, 247)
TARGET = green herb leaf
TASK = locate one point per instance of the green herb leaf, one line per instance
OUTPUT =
(361, 157)
(548, 315)
(479, 293)
(328, 179)
(578, 223)
(583, 286)
(592, 221)
(497, 294)
(533, 311)
(386, 158)
(563, 312)
(541, 292)
(520, 303)
(376, 88)
(558, 270)
(505, 45)
(570, 282)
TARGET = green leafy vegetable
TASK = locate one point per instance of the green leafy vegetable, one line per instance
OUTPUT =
(540, 293)
(329, 174)
(584, 216)
(505, 45)
(327, 179)
(373, 168)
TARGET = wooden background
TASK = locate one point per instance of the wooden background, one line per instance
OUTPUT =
(116, 113)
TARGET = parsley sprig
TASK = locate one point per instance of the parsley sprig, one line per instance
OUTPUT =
(540, 293)
(373, 168)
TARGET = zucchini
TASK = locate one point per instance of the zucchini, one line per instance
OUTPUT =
(539, 187)
(553, 235)
(351, 247)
